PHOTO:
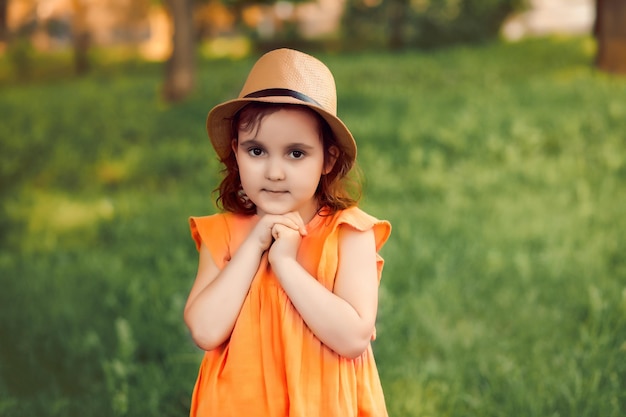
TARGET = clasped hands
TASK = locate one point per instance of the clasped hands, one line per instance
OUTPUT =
(281, 234)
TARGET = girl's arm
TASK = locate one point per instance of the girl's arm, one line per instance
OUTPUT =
(344, 319)
(217, 295)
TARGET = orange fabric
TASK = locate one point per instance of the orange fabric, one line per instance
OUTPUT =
(272, 364)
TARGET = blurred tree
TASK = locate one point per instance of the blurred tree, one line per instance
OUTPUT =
(180, 67)
(4, 20)
(610, 33)
(81, 37)
(284, 33)
(397, 20)
(423, 23)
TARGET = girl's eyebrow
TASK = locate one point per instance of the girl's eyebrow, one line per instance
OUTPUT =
(250, 142)
(294, 145)
(299, 146)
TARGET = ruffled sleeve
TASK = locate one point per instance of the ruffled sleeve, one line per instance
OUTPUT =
(213, 231)
(359, 220)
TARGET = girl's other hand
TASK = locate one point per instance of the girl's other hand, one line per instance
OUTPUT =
(286, 243)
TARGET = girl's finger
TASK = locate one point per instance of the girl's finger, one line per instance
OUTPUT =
(298, 223)
(275, 231)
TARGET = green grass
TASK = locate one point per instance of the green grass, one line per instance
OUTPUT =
(501, 167)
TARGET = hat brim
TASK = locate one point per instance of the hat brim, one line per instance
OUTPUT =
(219, 119)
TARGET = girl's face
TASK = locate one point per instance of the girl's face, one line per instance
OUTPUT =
(281, 162)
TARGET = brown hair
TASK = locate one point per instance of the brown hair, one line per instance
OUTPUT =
(336, 190)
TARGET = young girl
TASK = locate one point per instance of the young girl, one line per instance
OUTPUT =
(285, 298)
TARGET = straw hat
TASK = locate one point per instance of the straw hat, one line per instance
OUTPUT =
(283, 76)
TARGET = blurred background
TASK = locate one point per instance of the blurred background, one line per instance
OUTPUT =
(176, 31)
(491, 133)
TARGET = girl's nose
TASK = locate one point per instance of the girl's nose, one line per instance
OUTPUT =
(274, 170)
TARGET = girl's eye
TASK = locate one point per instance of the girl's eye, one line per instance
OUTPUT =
(255, 151)
(297, 154)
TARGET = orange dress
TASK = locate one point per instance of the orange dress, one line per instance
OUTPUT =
(273, 365)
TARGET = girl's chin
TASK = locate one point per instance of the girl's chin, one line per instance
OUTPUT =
(274, 211)
(305, 213)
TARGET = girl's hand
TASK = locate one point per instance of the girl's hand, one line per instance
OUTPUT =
(286, 243)
(263, 232)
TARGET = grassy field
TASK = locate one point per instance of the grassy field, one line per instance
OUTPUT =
(501, 167)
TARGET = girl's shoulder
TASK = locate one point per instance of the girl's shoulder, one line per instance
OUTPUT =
(360, 220)
(355, 216)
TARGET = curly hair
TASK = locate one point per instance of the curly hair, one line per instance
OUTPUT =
(337, 190)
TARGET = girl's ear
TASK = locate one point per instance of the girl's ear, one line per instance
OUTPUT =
(233, 145)
(333, 154)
